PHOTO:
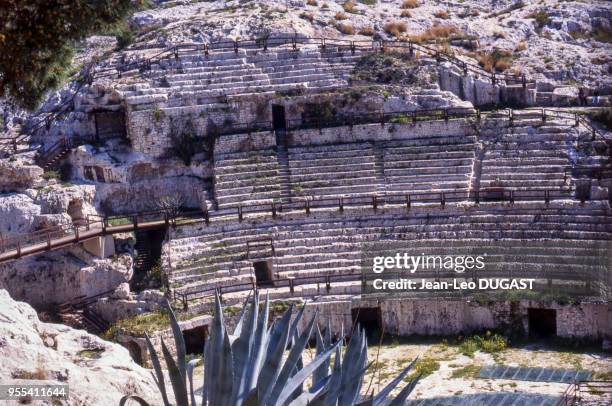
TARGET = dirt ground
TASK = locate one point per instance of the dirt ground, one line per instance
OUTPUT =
(453, 373)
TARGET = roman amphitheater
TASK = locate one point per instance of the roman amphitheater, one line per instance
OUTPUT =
(175, 172)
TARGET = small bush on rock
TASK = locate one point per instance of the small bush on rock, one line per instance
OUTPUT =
(367, 30)
(410, 4)
(541, 18)
(443, 14)
(345, 28)
(395, 28)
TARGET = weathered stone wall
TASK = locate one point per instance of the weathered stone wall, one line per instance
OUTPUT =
(379, 132)
(149, 130)
(435, 316)
(339, 135)
(482, 92)
(245, 142)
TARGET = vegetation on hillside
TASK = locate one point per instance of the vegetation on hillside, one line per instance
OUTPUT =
(37, 40)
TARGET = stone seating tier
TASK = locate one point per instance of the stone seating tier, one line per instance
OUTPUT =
(311, 247)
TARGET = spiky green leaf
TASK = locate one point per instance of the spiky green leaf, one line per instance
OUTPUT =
(178, 383)
(161, 384)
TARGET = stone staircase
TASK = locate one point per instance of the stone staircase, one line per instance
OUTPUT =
(247, 178)
(199, 79)
(433, 164)
(284, 173)
(524, 156)
(339, 170)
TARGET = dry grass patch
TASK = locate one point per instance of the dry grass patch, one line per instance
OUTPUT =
(395, 28)
(367, 30)
(406, 13)
(349, 6)
(521, 46)
(410, 4)
(340, 16)
(312, 3)
(437, 32)
(345, 28)
(307, 16)
(498, 60)
(443, 14)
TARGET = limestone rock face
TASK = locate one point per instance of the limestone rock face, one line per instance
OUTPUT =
(98, 372)
(17, 213)
(62, 275)
(16, 176)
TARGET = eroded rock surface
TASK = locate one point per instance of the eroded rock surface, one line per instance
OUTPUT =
(97, 372)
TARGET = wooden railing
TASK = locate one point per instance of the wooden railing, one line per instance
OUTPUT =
(94, 226)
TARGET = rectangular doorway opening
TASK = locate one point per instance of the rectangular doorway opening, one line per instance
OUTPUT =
(263, 273)
(370, 319)
(195, 339)
(278, 117)
(542, 323)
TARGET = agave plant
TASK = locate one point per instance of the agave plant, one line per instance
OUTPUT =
(261, 365)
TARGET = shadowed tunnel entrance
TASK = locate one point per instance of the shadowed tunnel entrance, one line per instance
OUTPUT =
(194, 339)
(368, 318)
(542, 323)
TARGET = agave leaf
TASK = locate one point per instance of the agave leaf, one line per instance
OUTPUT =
(331, 398)
(241, 350)
(322, 371)
(218, 358)
(295, 382)
(292, 359)
(178, 340)
(328, 334)
(238, 328)
(178, 383)
(400, 399)
(296, 322)
(276, 347)
(352, 375)
(258, 352)
(313, 397)
(158, 371)
(190, 366)
(138, 399)
(382, 395)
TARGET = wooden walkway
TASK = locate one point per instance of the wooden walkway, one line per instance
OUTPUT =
(70, 234)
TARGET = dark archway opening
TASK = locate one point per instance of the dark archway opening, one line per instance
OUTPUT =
(147, 259)
(263, 273)
(135, 352)
(278, 117)
(195, 339)
(109, 124)
(370, 319)
(542, 323)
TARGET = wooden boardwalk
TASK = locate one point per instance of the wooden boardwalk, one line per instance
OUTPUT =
(70, 234)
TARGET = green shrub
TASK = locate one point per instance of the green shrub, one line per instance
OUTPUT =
(490, 343)
(541, 18)
(51, 175)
